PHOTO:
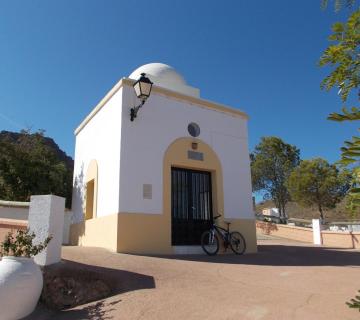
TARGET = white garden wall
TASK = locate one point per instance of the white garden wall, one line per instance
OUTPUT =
(14, 210)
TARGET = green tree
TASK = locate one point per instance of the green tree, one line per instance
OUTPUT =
(338, 4)
(343, 56)
(316, 183)
(271, 164)
(29, 165)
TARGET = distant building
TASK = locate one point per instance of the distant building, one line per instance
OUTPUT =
(271, 212)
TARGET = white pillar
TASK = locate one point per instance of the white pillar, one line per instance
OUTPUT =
(316, 226)
(46, 217)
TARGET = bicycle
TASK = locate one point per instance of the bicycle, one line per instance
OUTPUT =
(210, 240)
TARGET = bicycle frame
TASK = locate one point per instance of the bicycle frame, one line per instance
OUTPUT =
(225, 234)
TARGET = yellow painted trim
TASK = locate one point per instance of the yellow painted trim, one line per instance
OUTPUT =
(166, 92)
(92, 174)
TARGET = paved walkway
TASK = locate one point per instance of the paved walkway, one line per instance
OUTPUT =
(285, 280)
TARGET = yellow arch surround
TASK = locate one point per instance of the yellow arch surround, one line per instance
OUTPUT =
(177, 156)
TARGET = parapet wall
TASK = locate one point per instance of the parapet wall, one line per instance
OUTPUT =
(14, 215)
(14, 210)
(346, 240)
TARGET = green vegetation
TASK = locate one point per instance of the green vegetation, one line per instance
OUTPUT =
(338, 4)
(316, 183)
(271, 164)
(21, 245)
(343, 57)
(295, 210)
(32, 164)
(355, 303)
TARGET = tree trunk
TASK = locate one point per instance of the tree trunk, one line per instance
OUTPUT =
(321, 213)
(284, 211)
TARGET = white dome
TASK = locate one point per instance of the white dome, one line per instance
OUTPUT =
(159, 72)
(166, 77)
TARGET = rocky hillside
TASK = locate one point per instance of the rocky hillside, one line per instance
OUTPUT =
(31, 163)
(61, 155)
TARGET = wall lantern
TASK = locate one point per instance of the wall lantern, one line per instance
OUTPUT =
(142, 89)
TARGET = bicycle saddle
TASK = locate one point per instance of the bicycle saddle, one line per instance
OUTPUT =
(227, 222)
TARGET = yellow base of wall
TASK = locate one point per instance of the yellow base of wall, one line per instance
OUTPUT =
(140, 233)
(247, 228)
(97, 232)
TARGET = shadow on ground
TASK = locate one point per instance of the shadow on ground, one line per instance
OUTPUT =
(98, 310)
(282, 255)
(119, 281)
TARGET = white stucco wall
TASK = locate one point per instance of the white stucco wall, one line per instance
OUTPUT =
(143, 143)
(163, 120)
(99, 140)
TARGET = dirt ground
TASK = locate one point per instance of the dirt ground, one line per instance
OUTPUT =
(284, 280)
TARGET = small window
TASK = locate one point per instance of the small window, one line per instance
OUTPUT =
(90, 192)
(194, 129)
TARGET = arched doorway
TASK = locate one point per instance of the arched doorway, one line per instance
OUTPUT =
(193, 189)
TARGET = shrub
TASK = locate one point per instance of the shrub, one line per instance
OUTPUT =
(354, 303)
(21, 244)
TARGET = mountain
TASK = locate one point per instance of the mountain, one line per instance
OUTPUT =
(14, 137)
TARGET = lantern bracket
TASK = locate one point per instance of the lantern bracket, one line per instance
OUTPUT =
(134, 110)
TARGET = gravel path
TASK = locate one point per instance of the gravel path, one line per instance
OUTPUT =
(285, 280)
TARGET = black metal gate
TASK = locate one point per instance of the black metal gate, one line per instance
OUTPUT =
(191, 205)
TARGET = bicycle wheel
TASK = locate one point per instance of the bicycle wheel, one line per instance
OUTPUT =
(210, 243)
(237, 242)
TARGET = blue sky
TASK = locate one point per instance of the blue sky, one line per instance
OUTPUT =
(59, 58)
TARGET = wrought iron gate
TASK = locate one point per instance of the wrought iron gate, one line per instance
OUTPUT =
(191, 205)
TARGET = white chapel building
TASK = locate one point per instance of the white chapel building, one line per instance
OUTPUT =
(151, 185)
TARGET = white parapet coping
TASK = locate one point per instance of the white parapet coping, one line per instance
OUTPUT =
(15, 204)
